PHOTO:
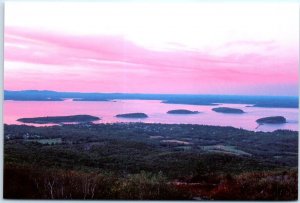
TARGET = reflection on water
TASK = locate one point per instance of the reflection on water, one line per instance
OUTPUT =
(156, 111)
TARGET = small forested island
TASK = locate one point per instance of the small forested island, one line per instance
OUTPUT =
(272, 120)
(59, 119)
(182, 111)
(132, 115)
(227, 110)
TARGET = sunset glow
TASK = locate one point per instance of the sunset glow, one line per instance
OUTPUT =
(196, 48)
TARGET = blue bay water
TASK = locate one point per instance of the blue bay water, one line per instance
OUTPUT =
(155, 109)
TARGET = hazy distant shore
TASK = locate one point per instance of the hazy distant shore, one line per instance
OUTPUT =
(191, 99)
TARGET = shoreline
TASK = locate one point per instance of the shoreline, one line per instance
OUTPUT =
(143, 123)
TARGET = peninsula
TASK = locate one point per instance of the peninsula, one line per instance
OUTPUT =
(272, 120)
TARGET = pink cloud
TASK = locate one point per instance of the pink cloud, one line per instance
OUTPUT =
(267, 43)
(112, 62)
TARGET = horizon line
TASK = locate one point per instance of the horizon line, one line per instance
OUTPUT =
(154, 93)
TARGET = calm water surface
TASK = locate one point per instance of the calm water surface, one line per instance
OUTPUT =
(156, 111)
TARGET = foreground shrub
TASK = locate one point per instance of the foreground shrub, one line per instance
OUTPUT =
(147, 186)
(259, 186)
(27, 182)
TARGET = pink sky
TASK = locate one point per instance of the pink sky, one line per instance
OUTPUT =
(152, 48)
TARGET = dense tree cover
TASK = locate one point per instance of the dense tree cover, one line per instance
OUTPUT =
(136, 164)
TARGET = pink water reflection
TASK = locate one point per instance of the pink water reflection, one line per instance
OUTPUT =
(156, 111)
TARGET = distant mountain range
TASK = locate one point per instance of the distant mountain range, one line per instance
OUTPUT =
(192, 99)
